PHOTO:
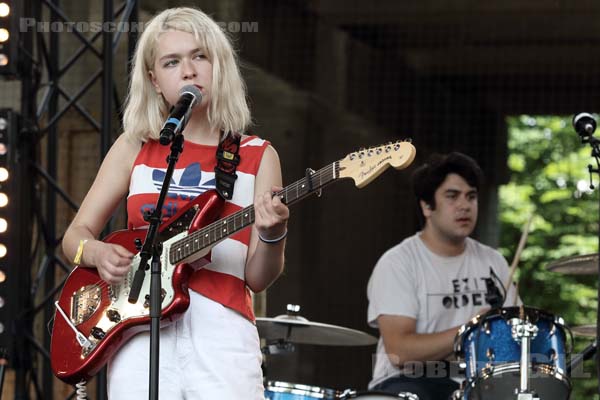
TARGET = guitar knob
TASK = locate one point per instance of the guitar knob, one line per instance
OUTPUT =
(138, 244)
(98, 333)
(113, 315)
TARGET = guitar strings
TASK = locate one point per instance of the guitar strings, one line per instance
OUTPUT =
(216, 227)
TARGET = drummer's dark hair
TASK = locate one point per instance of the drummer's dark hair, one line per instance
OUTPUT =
(428, 177)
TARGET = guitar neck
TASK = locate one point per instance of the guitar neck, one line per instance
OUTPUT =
(223, 228)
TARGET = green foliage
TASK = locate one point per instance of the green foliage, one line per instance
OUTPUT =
(549, 179)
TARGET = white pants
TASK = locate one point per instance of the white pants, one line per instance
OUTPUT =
(212, 353)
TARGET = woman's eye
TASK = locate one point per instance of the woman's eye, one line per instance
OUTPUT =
(170, 63)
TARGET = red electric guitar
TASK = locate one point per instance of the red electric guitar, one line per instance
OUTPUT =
(93, 319)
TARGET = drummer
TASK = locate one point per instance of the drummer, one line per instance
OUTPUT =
(423, 289)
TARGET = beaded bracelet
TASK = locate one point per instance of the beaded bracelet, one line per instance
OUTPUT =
(79, 253)
(273, 241)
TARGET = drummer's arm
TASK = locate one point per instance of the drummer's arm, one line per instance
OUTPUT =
(403, 344)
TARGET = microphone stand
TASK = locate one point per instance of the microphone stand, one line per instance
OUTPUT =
(152, 249)
(595, 144)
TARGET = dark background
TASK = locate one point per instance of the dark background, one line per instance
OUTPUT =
(327, 77)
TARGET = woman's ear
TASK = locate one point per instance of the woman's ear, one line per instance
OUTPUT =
(154, 82)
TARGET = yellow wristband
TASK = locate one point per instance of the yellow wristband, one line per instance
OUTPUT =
(79, 253)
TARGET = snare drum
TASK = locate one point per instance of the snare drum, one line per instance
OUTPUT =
(492, 356)
(275, 390)
(375, 395)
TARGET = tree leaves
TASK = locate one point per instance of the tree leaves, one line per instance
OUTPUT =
(549, 177)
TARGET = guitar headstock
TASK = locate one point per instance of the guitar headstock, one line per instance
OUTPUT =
(367, 164)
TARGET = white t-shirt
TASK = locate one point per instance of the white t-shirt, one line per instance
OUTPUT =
(439, 292)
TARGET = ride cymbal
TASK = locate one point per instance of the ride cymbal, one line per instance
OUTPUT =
(576, 265)
(584, 330)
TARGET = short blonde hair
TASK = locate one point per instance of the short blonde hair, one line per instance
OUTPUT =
(145, 111)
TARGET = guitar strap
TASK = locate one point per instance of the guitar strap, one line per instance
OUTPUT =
(227, 161)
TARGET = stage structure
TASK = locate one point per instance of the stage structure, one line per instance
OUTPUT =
(33, 55)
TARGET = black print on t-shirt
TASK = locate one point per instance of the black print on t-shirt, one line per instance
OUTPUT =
(465, 292)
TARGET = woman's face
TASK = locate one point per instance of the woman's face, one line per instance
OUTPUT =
(180, 61)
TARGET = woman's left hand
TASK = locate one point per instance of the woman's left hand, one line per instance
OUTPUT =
(271, 215)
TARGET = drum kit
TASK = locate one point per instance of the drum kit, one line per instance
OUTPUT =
(521, 352)
(508, 353)
(280, 334)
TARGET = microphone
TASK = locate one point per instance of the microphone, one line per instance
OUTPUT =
(584, 124)
(493, 296)
(189, 96)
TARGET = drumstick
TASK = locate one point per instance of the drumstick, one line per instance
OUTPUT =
(520, 247)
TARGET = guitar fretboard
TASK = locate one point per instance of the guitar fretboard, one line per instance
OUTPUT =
(221, 229)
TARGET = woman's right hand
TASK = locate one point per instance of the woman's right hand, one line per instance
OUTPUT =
(113, 261)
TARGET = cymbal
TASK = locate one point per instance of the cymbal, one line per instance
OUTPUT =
(584, 330)
(296, 329)
(576, 265)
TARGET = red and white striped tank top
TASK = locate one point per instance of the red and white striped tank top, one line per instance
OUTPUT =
(223, 279)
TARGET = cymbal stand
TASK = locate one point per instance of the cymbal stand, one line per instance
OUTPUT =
(586, 354)
(278, 347)
(523, 331)
(585, 125)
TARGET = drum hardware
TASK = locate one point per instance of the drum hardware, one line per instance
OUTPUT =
(586, 354)
(376, 395)
(486, 328)
(524, 332)
(278, 347)
(493, 360)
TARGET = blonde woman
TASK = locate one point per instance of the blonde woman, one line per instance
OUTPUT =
(213, 351)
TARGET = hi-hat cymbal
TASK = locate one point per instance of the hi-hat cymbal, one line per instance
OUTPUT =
(576, 265)
(296, 329)
(584, 330)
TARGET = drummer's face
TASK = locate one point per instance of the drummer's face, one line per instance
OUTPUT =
(455, 213)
